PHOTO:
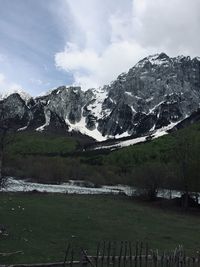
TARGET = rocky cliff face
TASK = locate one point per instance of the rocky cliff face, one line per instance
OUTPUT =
(157, 91)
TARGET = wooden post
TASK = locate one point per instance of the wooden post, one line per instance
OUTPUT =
(130, 252)
(162, 260)
(120, 254)
(184, 258)
(146, 254)
(66, 254)
(114, 253)
(125, 253)
(141, 247)
(167, 260)
(81, 259)
(87, 258)
(136, 254)
(103, 254)
(193, 261)
(72, 258)
(97, 254)
(108, 255)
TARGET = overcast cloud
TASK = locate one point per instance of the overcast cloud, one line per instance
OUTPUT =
(45, 44)
(116, 34)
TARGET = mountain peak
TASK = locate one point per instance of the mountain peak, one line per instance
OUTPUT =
(163, 56)
(156, 59)
(25, 96)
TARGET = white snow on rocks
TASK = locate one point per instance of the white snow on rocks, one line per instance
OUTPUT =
(96, 107)
(121, 144)
(14, 185)
(160, 132)
(22, 128)
(25, 96)
(47, 121)
(154, 60)
(156, 106)
(81, 127)
(129, 93)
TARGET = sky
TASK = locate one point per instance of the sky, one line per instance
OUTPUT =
(48, 43)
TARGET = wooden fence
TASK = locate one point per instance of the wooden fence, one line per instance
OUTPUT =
(122, 254)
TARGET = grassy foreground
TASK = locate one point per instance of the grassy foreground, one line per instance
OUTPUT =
(40, 225)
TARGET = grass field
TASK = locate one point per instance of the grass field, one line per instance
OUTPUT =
(41, 224)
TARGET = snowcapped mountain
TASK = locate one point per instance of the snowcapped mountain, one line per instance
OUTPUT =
(158, 91)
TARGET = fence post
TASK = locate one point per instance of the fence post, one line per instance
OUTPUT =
(125, 253)
(136, 254)
(103, 253)
(124, 256)
(72, 258)
(97, 254)
(146, 256)
(120, 254)
(108, 255)
(83, 261)
(66, 254)
(114, 253)
(130, 251)
(141, 247)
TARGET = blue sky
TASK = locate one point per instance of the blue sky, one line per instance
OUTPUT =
(48, 43)
(31, 33)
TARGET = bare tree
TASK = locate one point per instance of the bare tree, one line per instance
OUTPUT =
(149, 179)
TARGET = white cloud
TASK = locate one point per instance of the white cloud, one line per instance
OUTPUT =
(171, 24)
(7, 87)
(91, 69)
(36, 81)
(110, 37)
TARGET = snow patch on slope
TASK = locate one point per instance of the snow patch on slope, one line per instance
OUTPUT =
(81, 127)
(95, 108)
(160, 132)
(47, 121)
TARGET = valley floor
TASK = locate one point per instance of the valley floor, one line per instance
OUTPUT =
(40, 225)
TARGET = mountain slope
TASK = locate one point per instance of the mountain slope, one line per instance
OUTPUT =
(156, 92)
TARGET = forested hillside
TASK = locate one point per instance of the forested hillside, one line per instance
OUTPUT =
(171, 161)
